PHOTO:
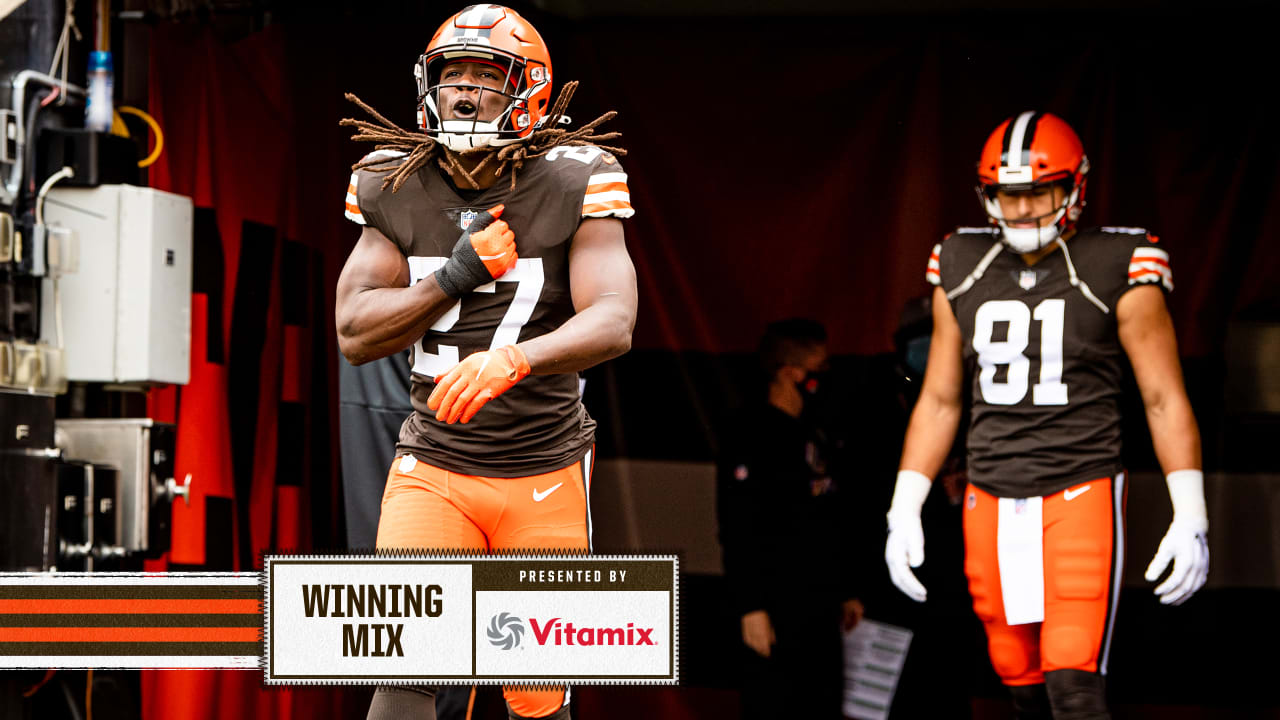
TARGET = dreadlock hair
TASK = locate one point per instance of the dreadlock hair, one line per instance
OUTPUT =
(421, 149)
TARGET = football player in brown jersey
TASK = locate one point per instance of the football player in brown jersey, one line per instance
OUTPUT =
(492, 244)
(1037, 318)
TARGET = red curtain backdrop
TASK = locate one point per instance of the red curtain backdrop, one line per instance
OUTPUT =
(806, 166)
(245, 419)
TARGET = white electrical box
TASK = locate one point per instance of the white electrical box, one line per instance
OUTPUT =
(126, 309)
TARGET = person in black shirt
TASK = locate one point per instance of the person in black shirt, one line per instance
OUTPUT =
(785, 557)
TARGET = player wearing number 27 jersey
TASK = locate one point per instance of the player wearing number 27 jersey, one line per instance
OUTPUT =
(492, 244)
(539, 425)
(1036, 319)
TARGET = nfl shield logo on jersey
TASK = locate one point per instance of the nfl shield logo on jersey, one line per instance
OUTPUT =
(465, 217)
(1026, 279)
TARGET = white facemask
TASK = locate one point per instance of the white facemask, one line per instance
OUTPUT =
(1030, 239)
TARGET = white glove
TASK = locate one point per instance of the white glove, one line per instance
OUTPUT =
(1185, 543)
(904, 549)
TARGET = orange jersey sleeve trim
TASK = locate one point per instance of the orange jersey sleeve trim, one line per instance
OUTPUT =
(933, 272)
(608, 187)
(353, 204)
(616, 208)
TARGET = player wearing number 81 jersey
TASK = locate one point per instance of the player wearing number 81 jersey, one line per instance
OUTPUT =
(1028, 332)
(1038, 319)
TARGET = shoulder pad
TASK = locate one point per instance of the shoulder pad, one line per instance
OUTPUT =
(933, 272)
(1150, 264)
(606, 193)
(353, 203)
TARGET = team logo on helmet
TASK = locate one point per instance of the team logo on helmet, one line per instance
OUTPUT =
(505, 631)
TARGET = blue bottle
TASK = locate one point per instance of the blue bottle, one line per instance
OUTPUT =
(98, 111)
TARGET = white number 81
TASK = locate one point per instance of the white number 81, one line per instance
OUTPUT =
(991, 354)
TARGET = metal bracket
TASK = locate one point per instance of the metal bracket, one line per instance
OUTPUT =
(9, 140)
(175, 489)
(6, 237)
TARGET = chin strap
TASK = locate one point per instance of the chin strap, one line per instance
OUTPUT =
(1077, 283)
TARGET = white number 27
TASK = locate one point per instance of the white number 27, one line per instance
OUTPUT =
(527, 275)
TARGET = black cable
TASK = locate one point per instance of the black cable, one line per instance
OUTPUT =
(27, 184)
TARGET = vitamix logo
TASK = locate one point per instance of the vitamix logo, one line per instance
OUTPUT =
(554, 632)
(505, 630)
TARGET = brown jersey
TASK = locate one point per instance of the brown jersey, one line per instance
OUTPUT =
(1042, 354)
(539, 425)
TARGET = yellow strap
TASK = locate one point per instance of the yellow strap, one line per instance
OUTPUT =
(155, 128)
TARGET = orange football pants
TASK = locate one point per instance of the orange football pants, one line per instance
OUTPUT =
(427, 507)
(1083, 547)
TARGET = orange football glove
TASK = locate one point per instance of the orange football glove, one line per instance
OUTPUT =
(461, 392)
(485, 252)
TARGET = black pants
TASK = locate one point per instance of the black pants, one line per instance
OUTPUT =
(804, 676)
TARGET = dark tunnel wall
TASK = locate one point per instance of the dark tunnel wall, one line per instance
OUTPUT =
(784, 166)
(780, 166)
(805, 166)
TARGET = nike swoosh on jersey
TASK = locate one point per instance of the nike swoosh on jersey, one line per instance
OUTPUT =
(540, 496)
(1069, 496)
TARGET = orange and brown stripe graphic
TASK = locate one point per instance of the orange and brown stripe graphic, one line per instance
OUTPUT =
(81, 620)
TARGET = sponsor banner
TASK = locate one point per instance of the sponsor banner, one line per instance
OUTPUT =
(484, 619)
(377, 619)
(130, 620)
(361, 620)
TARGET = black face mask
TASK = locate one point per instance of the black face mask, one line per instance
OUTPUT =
(916, 355)
(817, 396)
(812, 384)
